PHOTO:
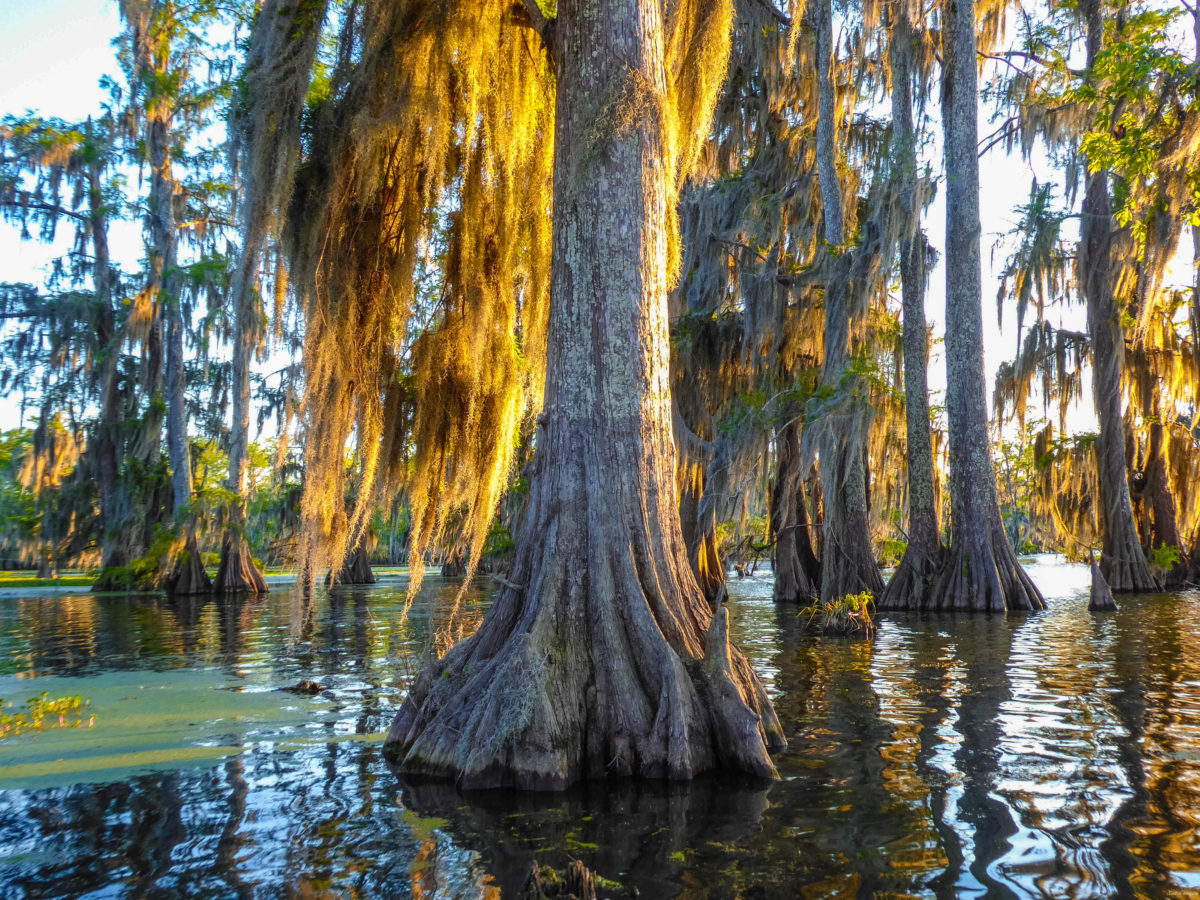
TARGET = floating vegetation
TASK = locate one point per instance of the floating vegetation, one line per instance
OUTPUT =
(41, 713)
(852, 614)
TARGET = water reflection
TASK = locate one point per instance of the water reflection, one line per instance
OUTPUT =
(1054, 755)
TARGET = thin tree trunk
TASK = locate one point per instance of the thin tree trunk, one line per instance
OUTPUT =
(109, 441)
(981, 571)
(918, 566)
(1122, 561)
(600, 656)
(847, 562)
(238, 572)
(187, 575)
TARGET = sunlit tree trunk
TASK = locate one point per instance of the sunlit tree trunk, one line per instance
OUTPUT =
(914, 575)
(981, 571)
(1122, 561)
(237, 571)
(847, 561)
(699, 502)
(600, 656)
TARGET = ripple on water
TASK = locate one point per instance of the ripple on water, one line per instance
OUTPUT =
(1050, 755)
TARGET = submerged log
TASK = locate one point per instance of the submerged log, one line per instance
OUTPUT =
(1101, 596)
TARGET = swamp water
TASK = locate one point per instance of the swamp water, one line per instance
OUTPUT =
(1055, 755)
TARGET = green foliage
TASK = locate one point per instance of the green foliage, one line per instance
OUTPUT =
(1164, 558)
(62, 712)
(852, 615)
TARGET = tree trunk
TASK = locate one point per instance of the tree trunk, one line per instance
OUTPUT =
(1164, 530)
(188, 575)
(109, 442)
(797, 572)
(357, 567)
(847, 561)
(1122, 562)
(1100, 598)
(918, 567)
(703, 552)
(981, 571)
(600, 656)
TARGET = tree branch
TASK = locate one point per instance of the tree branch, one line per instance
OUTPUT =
(527, 12)
(769, 7)
(36, 206)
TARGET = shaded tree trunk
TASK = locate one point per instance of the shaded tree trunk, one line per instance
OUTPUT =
(600, 656)
(918, 567)
(847, 560)
(1164, 522)
(356, 569)
(1122, 562)
(797, 572)
(981, 571)
(188, 576)
(108, 443)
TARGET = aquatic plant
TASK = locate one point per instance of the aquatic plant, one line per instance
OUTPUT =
(850, 614)
(62, 712)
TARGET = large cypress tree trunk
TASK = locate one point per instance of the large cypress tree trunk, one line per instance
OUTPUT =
(1122, 561)
(797, 571)
(600, 656)
(981, 571)
(847, 561)
(915, 574)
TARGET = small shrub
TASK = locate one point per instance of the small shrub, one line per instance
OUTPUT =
(853, 614)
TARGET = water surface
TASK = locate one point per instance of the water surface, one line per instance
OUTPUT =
(1048, 755)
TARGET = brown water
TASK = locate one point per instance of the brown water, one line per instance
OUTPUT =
(1051, 755)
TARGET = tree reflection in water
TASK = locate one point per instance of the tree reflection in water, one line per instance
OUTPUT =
(1052, 755)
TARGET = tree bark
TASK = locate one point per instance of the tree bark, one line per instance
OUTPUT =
(1100, 598)
(698, 507)
(357, 567)
(188, 575)
(1164, 525)
(981, 571)
(918, 567)
(797, 571)
(847, 561)
(600, 656)
(1122, 562)
(108, 441)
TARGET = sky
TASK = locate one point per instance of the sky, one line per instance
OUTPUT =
(54, 52)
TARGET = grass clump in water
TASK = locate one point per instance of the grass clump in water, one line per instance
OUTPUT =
(852, 615)
(42, 712)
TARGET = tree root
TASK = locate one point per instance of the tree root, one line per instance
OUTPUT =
(561, 699)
